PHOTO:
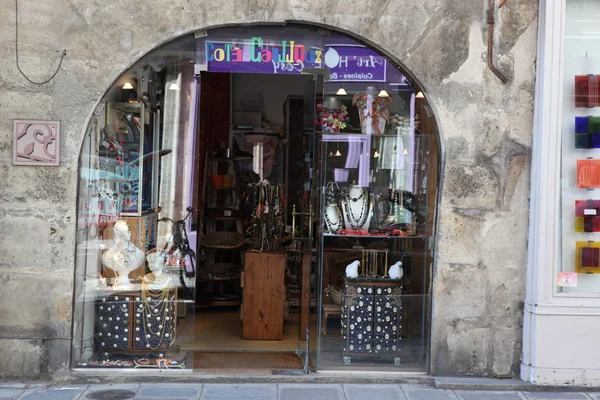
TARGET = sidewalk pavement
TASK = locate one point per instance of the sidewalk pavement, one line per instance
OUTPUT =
(306, 391)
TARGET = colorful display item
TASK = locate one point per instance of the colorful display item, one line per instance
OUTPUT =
(587, 132)
(587, 215)
(586, 91)
(587, 257)
(588, 174)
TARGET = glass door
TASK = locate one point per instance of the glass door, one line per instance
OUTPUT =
(305, 242)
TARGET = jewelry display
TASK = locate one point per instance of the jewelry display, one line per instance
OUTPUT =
(158, 278)
(124, 257)
(155, 315)
(400, 212)
(267, 204)
(371, 262)
(357, 207)
(332, 215)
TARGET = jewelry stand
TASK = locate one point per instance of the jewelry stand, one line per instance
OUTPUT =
(357, 207)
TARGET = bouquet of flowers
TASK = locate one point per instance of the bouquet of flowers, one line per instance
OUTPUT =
(379, 109)
(331, 120)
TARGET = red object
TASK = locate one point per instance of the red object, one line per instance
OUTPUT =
(588, 174)
(590, 257)
(586, 91)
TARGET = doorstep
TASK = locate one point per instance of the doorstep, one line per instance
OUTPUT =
(491, 384)
(231, 375)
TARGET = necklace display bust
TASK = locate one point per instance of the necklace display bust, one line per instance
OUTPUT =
(124, 257)
(158, 279)
(357, 206)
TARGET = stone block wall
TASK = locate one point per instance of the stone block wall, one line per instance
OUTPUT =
(486, 139)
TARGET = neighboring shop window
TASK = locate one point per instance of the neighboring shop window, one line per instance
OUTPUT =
(580, 183)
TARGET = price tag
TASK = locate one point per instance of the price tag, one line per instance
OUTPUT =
(288, 229)
(227, 213)
(590, 211)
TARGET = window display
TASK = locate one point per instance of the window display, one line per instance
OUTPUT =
(306, 207)
(580, 161)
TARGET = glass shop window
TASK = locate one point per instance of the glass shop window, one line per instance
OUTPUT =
(135, 265)
(580, 164)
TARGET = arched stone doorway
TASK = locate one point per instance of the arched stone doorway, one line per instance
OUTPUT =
(482, 235)
(278, 204)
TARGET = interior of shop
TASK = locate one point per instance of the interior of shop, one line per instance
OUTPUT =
(255, 221)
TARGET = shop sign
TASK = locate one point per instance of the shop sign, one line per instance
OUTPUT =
(345, 62)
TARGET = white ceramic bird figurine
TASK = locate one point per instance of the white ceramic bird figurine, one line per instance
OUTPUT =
(352, 269)
(396, 271)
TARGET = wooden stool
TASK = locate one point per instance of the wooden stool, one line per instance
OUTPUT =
(329, 309)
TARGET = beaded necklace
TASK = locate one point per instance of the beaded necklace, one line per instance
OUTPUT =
(356, 223)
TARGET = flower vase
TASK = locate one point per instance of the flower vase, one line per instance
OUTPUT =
(370, 128)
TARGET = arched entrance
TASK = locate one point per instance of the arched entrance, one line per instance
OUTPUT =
(258, 197)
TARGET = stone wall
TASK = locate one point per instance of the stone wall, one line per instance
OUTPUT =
(486, 135)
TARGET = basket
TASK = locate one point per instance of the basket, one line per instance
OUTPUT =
(223, 240)
(219, 272)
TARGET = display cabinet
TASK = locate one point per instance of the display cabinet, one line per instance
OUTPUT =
(129, 153)
(371, 319)
(373, 211)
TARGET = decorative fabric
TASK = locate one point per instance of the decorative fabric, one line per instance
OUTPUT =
(587, 132)
(590, 257)
(587, 215)
(586, 91)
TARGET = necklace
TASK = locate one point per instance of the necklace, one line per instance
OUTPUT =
(357, 223)
(154, 308)
(333, 227)
(123, 256)
(355, 199)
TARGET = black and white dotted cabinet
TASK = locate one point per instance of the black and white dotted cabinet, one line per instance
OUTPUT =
(371, 319)
(124, 322)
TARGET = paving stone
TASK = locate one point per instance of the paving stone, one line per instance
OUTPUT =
(420, 392)
(555, 395)
(52, 394)
(119, 391)
(486, 395)
(169, 391)
(312, 392)
(10, 393)
(373, 392)
(239, 392)
(110, 394)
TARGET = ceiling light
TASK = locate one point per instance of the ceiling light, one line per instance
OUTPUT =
(341, 91)
(174, 86)
(127, 86)
(383, 93)
(420, 95)
(338, 154)
(376, 154)
(405, 152)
